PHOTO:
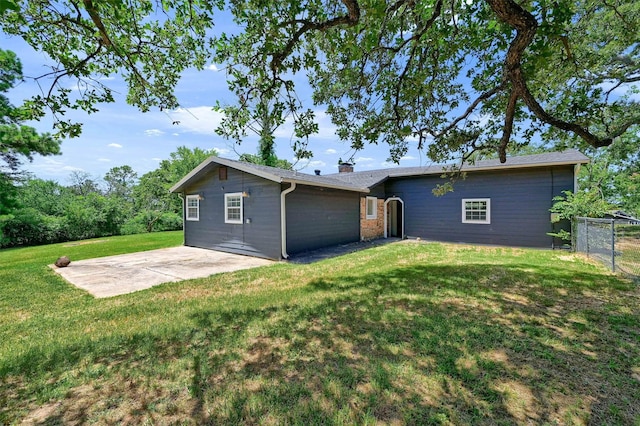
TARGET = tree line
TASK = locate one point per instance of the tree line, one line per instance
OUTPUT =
(119, 203)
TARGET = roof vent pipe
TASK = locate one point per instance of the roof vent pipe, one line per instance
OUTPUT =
(317, 172)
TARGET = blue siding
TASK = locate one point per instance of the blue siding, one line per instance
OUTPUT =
(520, 202)
(377, 191)
(321, 217)
(260, 237)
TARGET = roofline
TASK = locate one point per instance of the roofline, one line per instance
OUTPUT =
(473, 168)
(260, 173)
(325, 185)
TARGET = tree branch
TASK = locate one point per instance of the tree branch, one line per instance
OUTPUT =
(349, 19)
(525, 25)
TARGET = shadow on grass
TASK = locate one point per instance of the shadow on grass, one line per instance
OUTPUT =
(430, 344)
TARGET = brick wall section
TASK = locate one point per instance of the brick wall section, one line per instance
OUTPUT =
(371, 228)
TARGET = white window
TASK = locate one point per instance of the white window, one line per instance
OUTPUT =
(193, 207)
(372, 208)
(476, 210)
(233, 208)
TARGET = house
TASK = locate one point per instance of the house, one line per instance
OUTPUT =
(622, 217)
(268, 212)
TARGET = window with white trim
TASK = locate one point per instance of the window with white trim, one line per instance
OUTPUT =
(233, 207)
(371, 207)
(476, 210)
(193, 207)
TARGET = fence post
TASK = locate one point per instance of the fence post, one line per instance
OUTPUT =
(613, 245)
(586, 232)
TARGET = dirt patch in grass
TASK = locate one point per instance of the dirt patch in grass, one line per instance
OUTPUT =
(83, 243)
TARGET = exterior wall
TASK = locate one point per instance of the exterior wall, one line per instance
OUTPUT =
(520, 202)
(371, 228)
(260, 237)
(321, 217)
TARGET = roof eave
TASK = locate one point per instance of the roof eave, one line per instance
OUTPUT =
(326, 185)
(222, 161)
(499, 167)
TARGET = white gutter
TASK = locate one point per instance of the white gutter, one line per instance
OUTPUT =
(283, 219)
(325, 185)
(184, 237)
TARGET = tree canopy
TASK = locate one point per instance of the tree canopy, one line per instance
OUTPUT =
(451, 77)
(17, 141)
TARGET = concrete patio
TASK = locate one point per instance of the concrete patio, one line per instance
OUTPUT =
(126, 273)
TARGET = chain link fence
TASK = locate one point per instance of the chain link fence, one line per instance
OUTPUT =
(616, 243)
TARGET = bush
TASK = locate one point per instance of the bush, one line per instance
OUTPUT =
(30, 227)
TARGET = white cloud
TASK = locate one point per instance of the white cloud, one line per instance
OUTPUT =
(316, 163)
(114, 145)
(201, 119)
(331, 151)
(54, 167)
(156, 159)
(104, 160)
(175, 134)
(213, 67)
(153, 132)
(222, 151)
(326, 129)
(363, 160)
(408, 157)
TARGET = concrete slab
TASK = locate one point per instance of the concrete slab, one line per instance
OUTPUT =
(126, 273)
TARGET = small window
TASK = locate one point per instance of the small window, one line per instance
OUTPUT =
(372, 207)
(233, 208)
(193, 207)
(476, 210)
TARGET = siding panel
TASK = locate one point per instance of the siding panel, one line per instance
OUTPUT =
(321, 217)
(260, 237)
(520, 202)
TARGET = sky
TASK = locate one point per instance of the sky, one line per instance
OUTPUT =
(120, 134)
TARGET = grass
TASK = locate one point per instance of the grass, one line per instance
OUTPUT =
(628, 247)
(407, 333)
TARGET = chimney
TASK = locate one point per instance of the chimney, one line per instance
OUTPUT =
(345, 168)
(317, 172)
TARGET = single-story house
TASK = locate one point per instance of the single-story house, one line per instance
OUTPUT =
(268, 212)
(622, 217)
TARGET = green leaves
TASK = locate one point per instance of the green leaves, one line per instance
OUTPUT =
(148, 43)
(425, 73)
(17, 141)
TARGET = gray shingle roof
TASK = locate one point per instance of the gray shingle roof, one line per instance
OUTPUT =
(362, 181)
(271, 173)
(370, 178)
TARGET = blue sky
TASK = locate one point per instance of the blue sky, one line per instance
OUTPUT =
(120, 134)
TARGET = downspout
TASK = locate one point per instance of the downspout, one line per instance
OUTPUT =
(184, 238)
(283, 219)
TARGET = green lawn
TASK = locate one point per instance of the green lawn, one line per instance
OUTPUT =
(628, 247)
(407, 333)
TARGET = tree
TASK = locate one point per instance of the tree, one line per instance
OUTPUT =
(451, 77)
(17, 141)
(262, 118)
(120, 182)
(613, 174)
(150, 43)
(273, 161)
(152, 197)
(82, 183)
